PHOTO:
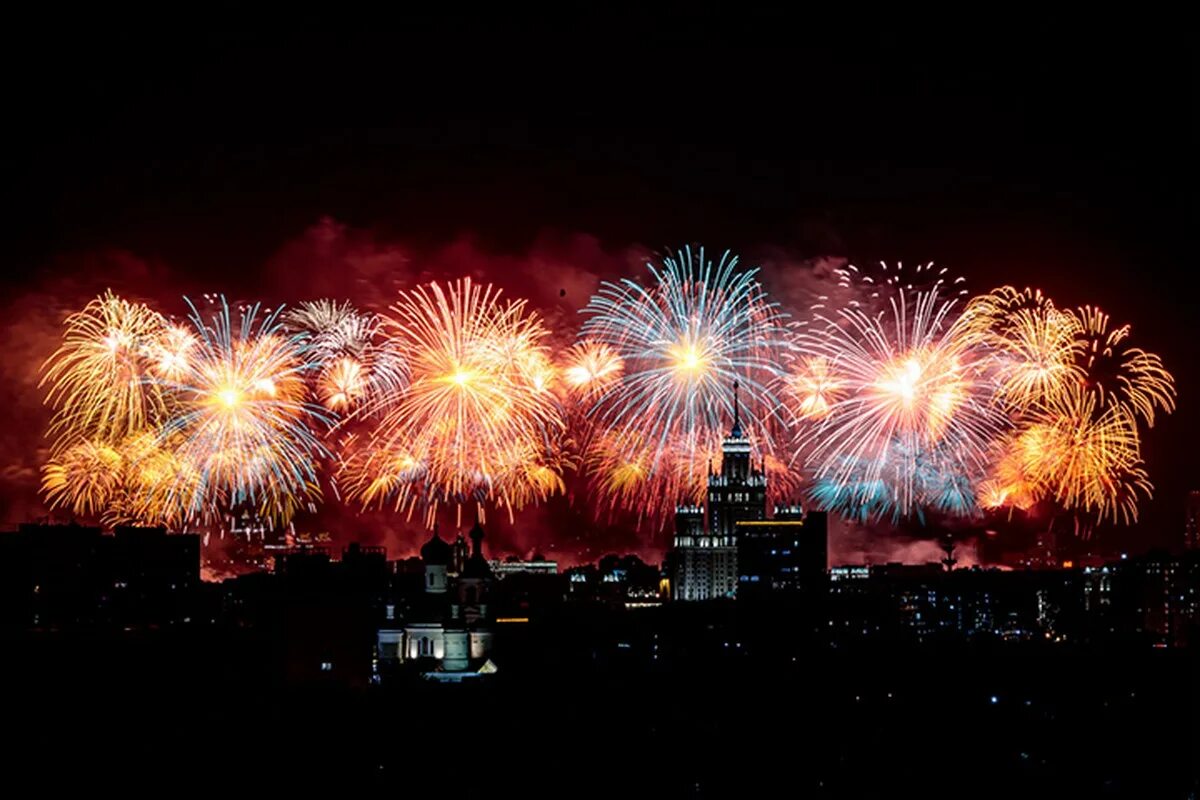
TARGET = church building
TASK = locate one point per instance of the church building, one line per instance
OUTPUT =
(446, 630)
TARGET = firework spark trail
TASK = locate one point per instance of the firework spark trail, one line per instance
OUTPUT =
(478, 421)
(912, 392)
(1118, 373)
(243, 420)
(683, 340)
(97, 377)
(357, 362)
(1036, 346)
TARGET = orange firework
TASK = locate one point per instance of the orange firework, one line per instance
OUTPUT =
(1036, 346)
(98, 378)
(589, 368)
(1121, 374)
(631, 473)
(122, 483)
(811, 387)
(1008, 485)
(477, 422)
(84, 477)
(342, 384)
(1085, 455)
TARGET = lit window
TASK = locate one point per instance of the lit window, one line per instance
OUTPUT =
(326, 666)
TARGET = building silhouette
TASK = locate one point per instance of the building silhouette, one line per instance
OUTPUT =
(787, 553)
(69, 576)
(1191, 527)
(446, 629)
(703, 560)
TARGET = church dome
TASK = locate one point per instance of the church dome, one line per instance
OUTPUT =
(435, 551)
(477, 565)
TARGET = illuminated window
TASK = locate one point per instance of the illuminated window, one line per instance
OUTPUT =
(326, 666)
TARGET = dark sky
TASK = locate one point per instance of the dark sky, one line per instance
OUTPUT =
(1057, 152)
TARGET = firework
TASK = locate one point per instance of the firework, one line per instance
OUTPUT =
(97, 378)
(477, 422)
(240, 414)
(633, 474)
(914, 416)
(683, 342)
(356, 362)
(120, 483)
(590, 368)
(83, 477)
(170, 352)
(810, 387)
(1121, 374)
(1008, 485)
(1036, 347)
(1075, 390)
(1084, 454)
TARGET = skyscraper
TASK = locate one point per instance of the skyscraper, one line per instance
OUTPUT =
(703, 562)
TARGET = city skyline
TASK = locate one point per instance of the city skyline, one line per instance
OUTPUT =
(679, 401)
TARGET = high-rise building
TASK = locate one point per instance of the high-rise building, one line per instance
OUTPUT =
(1191, 528)
(785, 553)
(703, 561)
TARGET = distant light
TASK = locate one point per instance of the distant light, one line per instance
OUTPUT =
(1124, 556)
(995, 699)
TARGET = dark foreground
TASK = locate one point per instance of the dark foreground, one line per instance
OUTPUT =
(586, 709)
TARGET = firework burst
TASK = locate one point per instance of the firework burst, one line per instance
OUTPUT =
(356, 363)
(1084, 454)
(683, 341)
(119, 483)
(477, 422)
(590, 368)
(1119, 373)
(1036, 346)
(242, 419)
(97, 378)
(916, 415)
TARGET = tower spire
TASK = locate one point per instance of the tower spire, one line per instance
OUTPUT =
(736, 431)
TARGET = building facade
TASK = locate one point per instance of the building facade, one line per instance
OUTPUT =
(703, 561)
(447, 630)
(787, 553)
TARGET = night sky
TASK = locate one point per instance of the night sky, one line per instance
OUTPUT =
(547, 154)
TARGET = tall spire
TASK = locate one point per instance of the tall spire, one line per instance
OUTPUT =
(736, 431)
